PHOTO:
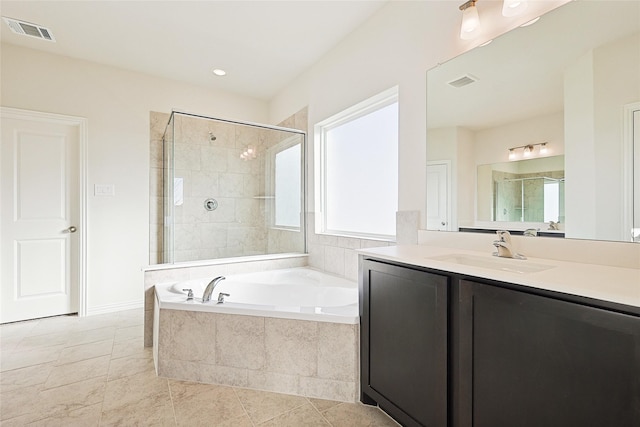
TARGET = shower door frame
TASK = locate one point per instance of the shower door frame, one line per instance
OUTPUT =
(168, 235)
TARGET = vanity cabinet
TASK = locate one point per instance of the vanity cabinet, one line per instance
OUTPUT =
(502, 355)
(539, 361)
(404, 342)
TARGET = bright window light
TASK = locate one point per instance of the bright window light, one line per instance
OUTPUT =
(551, 201)
(359, 158)
(287, 187)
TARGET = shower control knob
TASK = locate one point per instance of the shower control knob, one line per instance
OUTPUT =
(211, 204)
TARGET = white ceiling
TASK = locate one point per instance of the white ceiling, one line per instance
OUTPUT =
(263, 45)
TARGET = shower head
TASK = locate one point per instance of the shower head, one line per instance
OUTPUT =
(212, 137)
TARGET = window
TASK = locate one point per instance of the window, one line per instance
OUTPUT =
(553, 199)
(359, 169)
(284, 182)
(287, 190)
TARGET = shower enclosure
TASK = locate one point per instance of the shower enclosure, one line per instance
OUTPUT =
(231, 189)
(529, 199)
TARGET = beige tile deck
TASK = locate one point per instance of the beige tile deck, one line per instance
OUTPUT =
(95, 371)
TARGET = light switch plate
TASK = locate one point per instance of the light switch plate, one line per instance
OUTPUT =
(104, 190)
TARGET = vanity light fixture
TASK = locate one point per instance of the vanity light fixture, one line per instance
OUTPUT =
(529, 150)
(513, 7)
(470, 20)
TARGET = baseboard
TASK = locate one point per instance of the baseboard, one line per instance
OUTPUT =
(111, 308)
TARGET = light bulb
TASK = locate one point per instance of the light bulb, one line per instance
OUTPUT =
(528, 150)
(513, 7)
(512, 154)
(543, 148)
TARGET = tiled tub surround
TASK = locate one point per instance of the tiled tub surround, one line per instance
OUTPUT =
(314, 358)
(337, 254)
(207, 269)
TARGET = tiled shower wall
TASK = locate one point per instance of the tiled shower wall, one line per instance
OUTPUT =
(213, 169)
(158, 122)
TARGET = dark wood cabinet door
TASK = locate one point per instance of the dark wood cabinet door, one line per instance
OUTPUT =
(404, 342)
(539, 361)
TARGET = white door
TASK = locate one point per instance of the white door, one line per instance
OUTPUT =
(39, 217)
(438, 198)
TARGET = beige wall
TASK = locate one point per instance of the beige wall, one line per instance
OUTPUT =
(117, 105)
(597, 86)
(395, 47)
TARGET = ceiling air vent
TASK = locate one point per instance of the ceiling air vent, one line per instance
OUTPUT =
(467, 79)
(28, 29)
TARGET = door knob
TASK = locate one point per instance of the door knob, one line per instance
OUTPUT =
(71, 229)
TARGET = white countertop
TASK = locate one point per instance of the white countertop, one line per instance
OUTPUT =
(613, 284)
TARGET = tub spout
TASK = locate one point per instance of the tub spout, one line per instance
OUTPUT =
(206, 296)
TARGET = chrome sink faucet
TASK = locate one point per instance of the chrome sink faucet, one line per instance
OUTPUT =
(208, 291)
(504, 247)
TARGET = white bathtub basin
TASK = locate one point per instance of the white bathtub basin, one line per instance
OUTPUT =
(493, 263)
(297, 293)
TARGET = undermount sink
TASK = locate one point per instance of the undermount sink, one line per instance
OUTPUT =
(503, 264)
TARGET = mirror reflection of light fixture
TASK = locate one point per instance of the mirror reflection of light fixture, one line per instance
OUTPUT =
(470, 20)
(543, 148)
(248, 153)
(513, 7)
(529, 149)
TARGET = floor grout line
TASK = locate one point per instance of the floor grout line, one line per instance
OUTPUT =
(235, 392)
(173, 406)
(321, 414)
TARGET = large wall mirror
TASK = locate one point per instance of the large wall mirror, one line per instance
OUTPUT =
(553, 106)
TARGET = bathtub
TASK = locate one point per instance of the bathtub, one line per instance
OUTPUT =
(292, 331)
(295, 293)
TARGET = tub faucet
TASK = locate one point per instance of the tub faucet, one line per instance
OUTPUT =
(208, 291)
(504, 247)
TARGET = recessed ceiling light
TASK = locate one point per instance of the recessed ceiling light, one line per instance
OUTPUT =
(219, 72)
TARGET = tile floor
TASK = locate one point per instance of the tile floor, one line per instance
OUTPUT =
(94, 371)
